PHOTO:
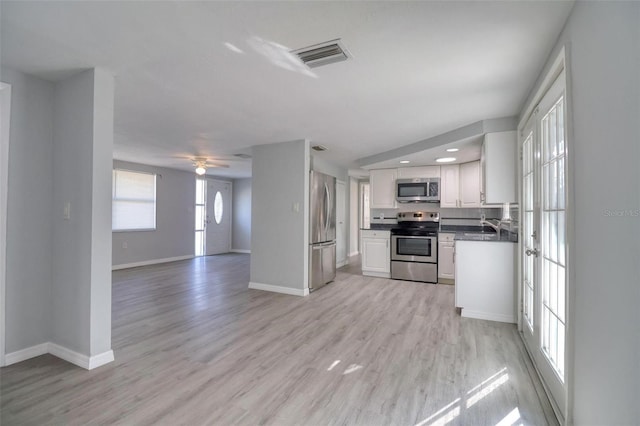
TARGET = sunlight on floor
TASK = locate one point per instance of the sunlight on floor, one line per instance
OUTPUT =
(459, 406)
(352, 368)
(443, 416)
(511, 419)
(486, 387)
(336, 362)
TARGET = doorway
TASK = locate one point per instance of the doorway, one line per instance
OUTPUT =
(544, 252)
(341, 233)
(212, 217)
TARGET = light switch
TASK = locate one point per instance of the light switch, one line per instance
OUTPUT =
(295, 207)
(67, 210)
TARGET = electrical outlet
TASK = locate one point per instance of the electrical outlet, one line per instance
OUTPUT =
(125, 245)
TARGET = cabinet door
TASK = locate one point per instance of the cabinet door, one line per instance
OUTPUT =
(449, 185)
(383, 188)
(375, 255)
(445, 261)
(418, 172)
(470, 184)
(499, 157)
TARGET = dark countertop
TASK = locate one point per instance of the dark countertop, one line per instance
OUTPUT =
(380, 227)
(463, 232)
(479, 233)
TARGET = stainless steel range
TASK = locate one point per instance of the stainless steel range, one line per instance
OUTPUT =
(414, 247)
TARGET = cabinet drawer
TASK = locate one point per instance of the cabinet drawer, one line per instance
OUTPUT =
(446, 237)
(369, 233)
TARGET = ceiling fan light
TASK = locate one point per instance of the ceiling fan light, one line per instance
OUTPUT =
(200, 170)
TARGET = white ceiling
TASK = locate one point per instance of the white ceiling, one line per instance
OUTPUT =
(213, 79)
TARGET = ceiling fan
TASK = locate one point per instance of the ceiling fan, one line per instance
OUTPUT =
(202, 164)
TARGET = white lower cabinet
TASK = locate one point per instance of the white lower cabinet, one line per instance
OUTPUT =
(446, 250)
(376, 254)
(485, 280)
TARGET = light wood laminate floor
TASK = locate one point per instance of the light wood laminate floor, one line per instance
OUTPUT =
(193, 345)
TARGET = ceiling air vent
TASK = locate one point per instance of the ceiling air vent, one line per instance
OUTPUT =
(243, 156)
(323, 53)
(319, 148)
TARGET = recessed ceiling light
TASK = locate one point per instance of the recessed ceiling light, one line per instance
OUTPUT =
(445, 160)
(453, 150)
(405, 162)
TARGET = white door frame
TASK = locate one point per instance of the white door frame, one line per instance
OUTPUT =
(560, 65)
(5, 122)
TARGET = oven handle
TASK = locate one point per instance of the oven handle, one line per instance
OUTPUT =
(419, 237)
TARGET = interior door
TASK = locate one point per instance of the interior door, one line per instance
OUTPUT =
(218, 220)
(341, 240)
(543, 249)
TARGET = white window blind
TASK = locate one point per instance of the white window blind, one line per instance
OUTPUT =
(134, 201)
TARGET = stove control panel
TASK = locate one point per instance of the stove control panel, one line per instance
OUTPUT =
(418, 217)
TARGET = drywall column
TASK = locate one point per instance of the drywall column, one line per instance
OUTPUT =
(280, 218)
(82, 163)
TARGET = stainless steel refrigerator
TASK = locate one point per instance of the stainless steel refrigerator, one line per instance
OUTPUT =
(322, 230)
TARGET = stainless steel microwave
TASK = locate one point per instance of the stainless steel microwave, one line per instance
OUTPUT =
(418, 190)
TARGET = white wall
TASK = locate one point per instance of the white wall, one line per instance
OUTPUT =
(603, 52)
(29, 224)
(279, 235)
(241, 233)
(174, 236)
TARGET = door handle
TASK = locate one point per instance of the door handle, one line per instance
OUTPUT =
(534, 252)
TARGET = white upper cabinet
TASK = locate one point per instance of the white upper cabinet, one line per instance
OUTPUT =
(383, 188)
(419, 172)
(450, 186)
(470, 184)
(499, 159)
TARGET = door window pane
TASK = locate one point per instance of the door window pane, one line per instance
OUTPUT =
(218, 207)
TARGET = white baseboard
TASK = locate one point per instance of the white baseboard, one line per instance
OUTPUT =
(24, 354)
(342, 263)
(101, 359)
(354, 253)
(279, 289)
(240, 251)
(150, 262)
(488, 316)
(61, 352)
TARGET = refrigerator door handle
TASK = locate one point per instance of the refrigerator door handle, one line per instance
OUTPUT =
(327, 207)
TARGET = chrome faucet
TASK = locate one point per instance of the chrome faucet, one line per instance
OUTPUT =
(496, 228)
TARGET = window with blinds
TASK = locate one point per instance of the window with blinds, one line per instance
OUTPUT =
(133, 201)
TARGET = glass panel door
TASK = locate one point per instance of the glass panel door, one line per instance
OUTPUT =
(544, 252)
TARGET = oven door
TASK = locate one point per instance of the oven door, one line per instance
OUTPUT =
(411, 248)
